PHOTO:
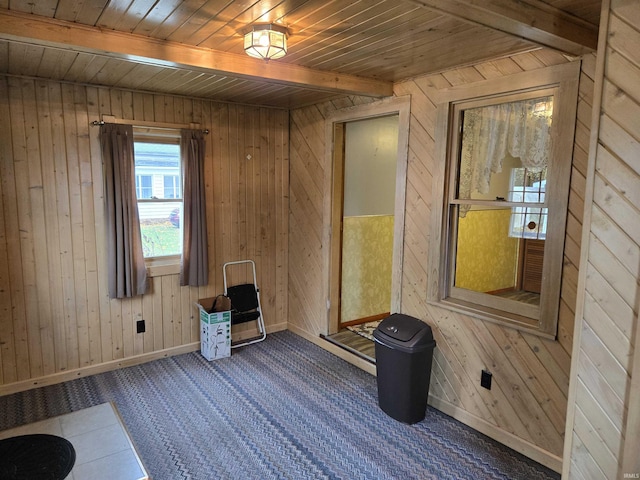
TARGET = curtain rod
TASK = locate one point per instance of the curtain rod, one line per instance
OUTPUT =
(147, 124)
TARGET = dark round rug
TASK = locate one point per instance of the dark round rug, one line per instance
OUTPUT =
(36, 457)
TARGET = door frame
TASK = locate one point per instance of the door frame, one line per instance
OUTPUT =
(333, 208)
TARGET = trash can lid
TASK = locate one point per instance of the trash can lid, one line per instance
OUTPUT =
(404, 329)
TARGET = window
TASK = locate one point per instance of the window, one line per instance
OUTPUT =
(527, 187)
(159, 192)
(143, 186)
(172, 186)
(499, 237)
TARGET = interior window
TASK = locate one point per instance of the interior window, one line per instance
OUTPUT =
(499, 239)
(159, 193)
(527, 187)
(498, 202)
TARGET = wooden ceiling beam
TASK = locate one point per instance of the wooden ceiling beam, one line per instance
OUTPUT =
(531, 20)
(32, 29)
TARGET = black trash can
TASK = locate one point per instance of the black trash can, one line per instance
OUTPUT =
(404, 354)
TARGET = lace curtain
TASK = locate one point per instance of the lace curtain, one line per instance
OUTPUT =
(489, 133)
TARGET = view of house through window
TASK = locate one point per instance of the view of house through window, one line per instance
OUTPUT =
(159, 193)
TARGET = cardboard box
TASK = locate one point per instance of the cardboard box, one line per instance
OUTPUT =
(215, 331)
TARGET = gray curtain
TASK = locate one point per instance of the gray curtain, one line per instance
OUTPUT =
(127, 270)
(194, 267)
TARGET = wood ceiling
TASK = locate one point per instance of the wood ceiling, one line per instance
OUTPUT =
(336, 47)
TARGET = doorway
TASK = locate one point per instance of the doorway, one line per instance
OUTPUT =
(368, 208)
(365, 219)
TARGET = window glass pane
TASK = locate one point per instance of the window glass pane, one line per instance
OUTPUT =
(487, 259)
(498, 139)
(156, 161)
(528, 186)
(528, 222)
(157, 167)
(160, 226)
(172, 186)
(143, 186)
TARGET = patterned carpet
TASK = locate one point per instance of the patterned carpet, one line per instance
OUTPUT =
(280, 409)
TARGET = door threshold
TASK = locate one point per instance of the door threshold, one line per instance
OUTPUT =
(338, 341)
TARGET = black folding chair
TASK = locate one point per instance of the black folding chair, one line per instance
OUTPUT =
(245, 302)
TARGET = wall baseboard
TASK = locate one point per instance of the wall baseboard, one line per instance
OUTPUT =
(60, 377)
(527, 449)
(253, 332)
(66, 376)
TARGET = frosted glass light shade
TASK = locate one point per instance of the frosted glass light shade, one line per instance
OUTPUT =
(266, 41)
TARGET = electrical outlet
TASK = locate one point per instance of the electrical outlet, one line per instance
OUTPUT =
(140, 327)
(485, 379)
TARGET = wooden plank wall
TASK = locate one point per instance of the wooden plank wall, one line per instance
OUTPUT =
(601, 383)
(55, 315)
(307, 307)
(531, 375)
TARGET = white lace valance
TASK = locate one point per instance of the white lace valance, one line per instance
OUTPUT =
(520, 129)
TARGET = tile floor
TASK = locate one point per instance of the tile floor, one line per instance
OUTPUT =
(103, 447)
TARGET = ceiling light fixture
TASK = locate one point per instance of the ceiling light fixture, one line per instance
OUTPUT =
(266, 41)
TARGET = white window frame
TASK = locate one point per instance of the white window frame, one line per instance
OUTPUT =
(562, 82)
(165, 264)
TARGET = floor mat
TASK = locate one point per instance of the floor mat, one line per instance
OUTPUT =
(365, 329)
